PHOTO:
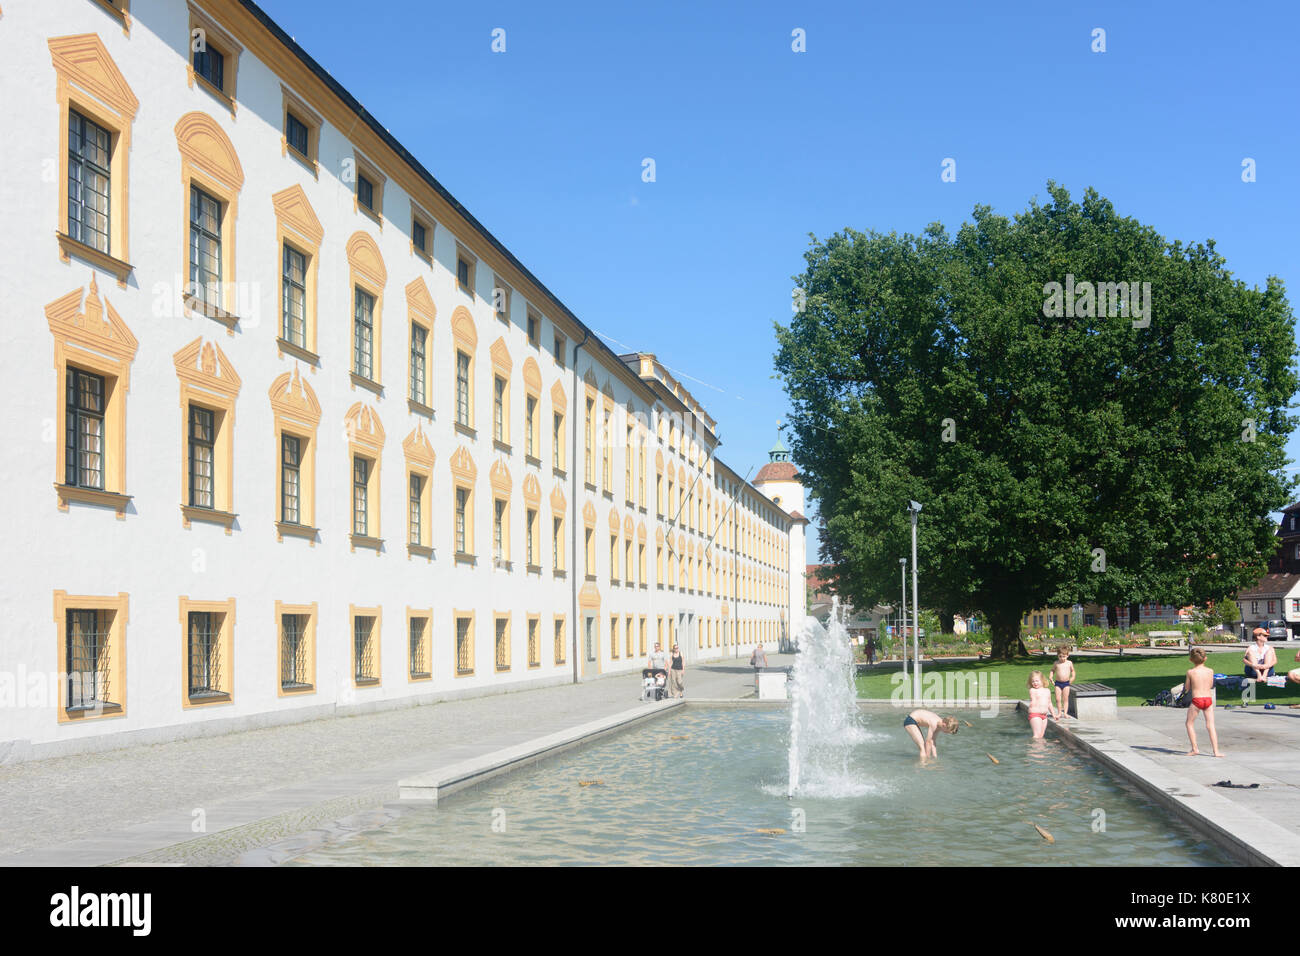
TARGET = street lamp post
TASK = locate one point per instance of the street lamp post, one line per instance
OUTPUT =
(915, 508)
(902, 617)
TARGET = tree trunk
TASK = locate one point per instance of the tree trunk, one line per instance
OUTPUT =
(1004, 635)
(1112, 616)
(1134, 614)
(945, 622)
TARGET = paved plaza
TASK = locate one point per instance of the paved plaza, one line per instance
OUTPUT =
(209, 799)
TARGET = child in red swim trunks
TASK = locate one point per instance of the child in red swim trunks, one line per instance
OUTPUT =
(1199, 682)
(1040, 703)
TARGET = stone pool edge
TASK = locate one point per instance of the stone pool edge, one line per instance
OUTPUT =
(430, 786)
(1212, 815)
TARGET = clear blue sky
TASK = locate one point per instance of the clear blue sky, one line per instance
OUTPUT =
(756, 146)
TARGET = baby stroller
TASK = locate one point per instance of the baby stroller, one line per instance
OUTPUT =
(654, 683)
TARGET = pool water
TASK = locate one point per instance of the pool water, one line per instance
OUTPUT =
(700, 786)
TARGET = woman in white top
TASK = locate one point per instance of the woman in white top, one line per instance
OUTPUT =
(1260, 659)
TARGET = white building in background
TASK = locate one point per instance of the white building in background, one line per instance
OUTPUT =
(778, 479)
(290, 433)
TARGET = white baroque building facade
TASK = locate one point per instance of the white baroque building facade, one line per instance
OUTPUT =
(291, 434)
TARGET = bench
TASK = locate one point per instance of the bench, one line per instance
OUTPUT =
(1154, 636)
(1093, 702)
(770, 682)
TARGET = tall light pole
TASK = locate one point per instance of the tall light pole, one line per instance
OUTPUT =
(902, 616)
(915, 508)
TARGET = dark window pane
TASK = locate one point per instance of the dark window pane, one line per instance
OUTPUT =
(295, 133)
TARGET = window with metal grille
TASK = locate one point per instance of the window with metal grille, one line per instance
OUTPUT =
(417, 235)
(534, 645)
(205, 655)
(294, 672)
(498, 529)
(365, 192)
(363, 335)
(613, 636)
(606, 473)
(419, 663)
(629, 570)
(591, 638)
(588, 473)
(530, 423)
(205, 248)
(293, 307)
(417, 486)
(462, 503)
(87, 659)
(559, 642)
(363, 631)
(89, 154)
(499, 409)
(418, 337)
(613, 558)
(360, 495)
(531, 518)
(503, 644)
(463, 663)
(84, 436)
(211, 65)
(462, 388)
(629, 635)
(557, 543)
(202, 435)
(290, 478)
(557, 443)
(627, 467)
(295, 133)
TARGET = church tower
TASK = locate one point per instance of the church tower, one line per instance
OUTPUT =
(779, 480)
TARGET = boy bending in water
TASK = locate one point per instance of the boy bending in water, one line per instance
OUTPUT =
(1199, 682)
(932, 723)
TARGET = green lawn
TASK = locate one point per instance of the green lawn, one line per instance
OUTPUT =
(1135, 679)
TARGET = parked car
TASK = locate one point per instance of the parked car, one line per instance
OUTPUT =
(1277, 630)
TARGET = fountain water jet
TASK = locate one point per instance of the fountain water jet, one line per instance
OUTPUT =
(824, 726)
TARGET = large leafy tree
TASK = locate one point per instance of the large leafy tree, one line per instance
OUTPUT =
(1059, 457)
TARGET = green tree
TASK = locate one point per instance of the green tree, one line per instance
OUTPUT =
(1059, 457)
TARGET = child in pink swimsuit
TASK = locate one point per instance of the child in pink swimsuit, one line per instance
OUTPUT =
(1040, 703)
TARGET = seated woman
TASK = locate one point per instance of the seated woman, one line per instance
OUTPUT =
(1260, 659)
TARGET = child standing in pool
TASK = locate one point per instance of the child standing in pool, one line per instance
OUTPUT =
(1199, 682)
(1063, 677)
(931, 722)
(1040, 703)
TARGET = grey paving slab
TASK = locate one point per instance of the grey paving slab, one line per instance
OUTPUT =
(1149, 746)
(250, 788)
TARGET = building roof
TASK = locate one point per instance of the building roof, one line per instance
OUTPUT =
(777, 471)
(591, 340)
(798, 517)
(1270, 586)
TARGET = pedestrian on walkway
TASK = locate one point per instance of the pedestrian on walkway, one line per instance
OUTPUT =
(871, 650)
(758, 658)
(677, 674)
